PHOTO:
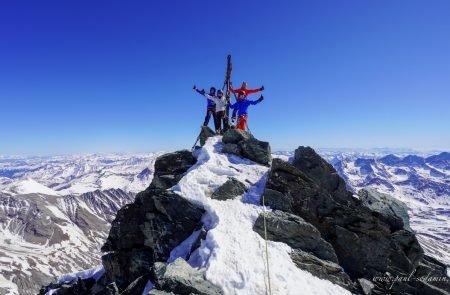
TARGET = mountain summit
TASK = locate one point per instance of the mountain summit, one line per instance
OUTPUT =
(229, 219)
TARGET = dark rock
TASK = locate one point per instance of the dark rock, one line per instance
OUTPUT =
(407, 242)
(366, 286)
(242, 143)
(99, 286)
(363, 242)
(277, 200)
(205, 133)
(137, 286)
(112, 289)
(122, 267)
(438, 281)
(179, 277)
(170, 168)
(76, 287)
(146, 231)
(232, 148)
(235, 136)
(256, 150)
(391, 210)
(296, 232)
(229, 190)
(322, 269)
(324, 175)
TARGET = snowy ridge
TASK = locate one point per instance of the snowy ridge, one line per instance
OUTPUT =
(233, 255)
(76, 174)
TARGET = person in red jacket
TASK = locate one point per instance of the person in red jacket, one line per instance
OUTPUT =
(246, 91)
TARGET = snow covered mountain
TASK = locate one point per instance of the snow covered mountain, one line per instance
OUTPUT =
(76, 174)
(66, 196)
(422, 182)
(44, 236)
(201, 227)
(55, 212)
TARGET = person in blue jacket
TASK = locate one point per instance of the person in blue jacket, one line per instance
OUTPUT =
(240, 107)
(210, 106)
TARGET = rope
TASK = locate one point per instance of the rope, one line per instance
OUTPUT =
(267, 247)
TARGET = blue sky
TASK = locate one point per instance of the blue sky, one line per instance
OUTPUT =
(117, 76)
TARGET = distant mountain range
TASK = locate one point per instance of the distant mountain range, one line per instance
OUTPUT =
(76, 174)
(44, 236)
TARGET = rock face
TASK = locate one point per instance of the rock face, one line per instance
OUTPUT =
(169, 168)
(180, 278)
(145, 231)
(229, 190)
(323, 269)
(296, 232)
(392, 211)
(365, 244)
(242, 143)
(205, 133)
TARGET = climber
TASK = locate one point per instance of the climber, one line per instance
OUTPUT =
(244, 88)
(241, 106)
(220, 120)
(211, 106)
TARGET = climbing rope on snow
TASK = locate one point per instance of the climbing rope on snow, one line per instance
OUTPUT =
(267, 247)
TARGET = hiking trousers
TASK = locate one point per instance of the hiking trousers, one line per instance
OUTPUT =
(242, 122)
(221, 122)
(210, 112)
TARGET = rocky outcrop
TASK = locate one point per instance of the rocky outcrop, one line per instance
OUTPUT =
(205, 133)
(229, 190)
(242, 143)
(391, 210)
(366, 286)
(365, 244)
(310, 251)
(296, 232)
(145, 232)
(180, 278)
(170, 168)
(323, 269)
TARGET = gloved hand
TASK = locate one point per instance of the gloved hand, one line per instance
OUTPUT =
(261, 98)
(262, 88)
(195, 87)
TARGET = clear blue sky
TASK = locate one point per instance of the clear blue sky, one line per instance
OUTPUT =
(117, 76)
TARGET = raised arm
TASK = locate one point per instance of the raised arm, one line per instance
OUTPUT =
(202, 92)
(234, 91)
(250, 91)
(253, 102)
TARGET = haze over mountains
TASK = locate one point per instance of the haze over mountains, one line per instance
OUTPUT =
(59, 209)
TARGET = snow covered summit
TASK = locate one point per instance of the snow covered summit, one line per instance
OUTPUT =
(199, 228)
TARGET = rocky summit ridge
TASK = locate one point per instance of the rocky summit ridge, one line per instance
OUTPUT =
(199, 228)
